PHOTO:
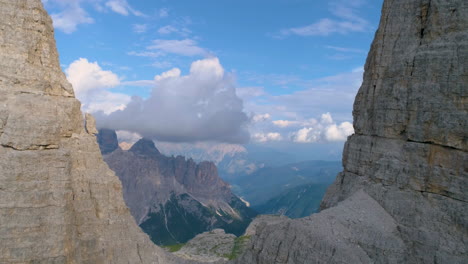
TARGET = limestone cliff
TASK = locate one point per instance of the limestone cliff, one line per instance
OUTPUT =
(402, 197)
(59, 202)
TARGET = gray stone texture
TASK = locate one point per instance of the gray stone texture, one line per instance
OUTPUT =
(59, 202)
(402, 197)
(213, 246)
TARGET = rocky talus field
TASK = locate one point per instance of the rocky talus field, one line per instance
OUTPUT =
(401, 198)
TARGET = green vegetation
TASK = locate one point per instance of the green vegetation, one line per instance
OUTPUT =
(182, 218)
(174, 248)
(239, 246)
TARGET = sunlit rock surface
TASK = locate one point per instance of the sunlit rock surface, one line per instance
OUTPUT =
(59, 202)
(402, 195)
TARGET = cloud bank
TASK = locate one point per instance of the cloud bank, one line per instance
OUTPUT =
(324, 130)
(200, 106)
(93, 85)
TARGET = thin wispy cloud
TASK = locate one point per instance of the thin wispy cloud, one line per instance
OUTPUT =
(185, 47)
(149, 54)
(346, 50)
(70, 17)
(73, 13)
(163, 12)
(346, 20)
(123, 8)
(140, 28)
(169, 29)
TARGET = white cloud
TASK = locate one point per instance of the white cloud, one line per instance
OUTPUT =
(266, 137)
(123, 8)
(250, 92)
(325, 130)
(91, 85)
(347, 50)
(200, 106)
(185, 47)
(306, 135)
(326, 27)
(149, 54)
(128, 137)
(140, 28)
(260, 118)
(347, 21)
(169, 29)
(326, 119)
(71, 16)
(163, 12)
(339, 133)
(161, 64)
(285, 123)
(174, 73)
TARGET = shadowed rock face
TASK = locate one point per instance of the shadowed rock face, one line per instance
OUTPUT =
(174, 199)
(59, 202)
(402, 195)
(107, 140)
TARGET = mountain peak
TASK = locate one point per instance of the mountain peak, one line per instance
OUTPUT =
(107, 140)
(145, 146)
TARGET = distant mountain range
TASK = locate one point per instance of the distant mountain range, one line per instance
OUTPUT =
(173, 199)
(270, 183)
(234, 161)
(297, 202)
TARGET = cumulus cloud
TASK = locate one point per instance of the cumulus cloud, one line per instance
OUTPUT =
(339, 133)
(266, 137)
(323, 130)
(260, 117)
(200, 106)
(92, 84)
(285, 123)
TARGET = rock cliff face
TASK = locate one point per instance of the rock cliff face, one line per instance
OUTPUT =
(107, 140)
(402, 195)
(59, 202)
(174, 199)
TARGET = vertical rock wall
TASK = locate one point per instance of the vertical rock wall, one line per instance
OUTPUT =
(59, 202)
(402, 197)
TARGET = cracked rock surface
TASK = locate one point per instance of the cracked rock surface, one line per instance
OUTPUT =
(402, 197)
(59, 202)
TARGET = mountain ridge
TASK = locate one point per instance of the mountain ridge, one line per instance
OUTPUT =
(161, 191)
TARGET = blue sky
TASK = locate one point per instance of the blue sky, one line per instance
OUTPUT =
(294, 65)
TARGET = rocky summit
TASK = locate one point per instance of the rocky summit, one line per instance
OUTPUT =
(174, 199)
(402, 195)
